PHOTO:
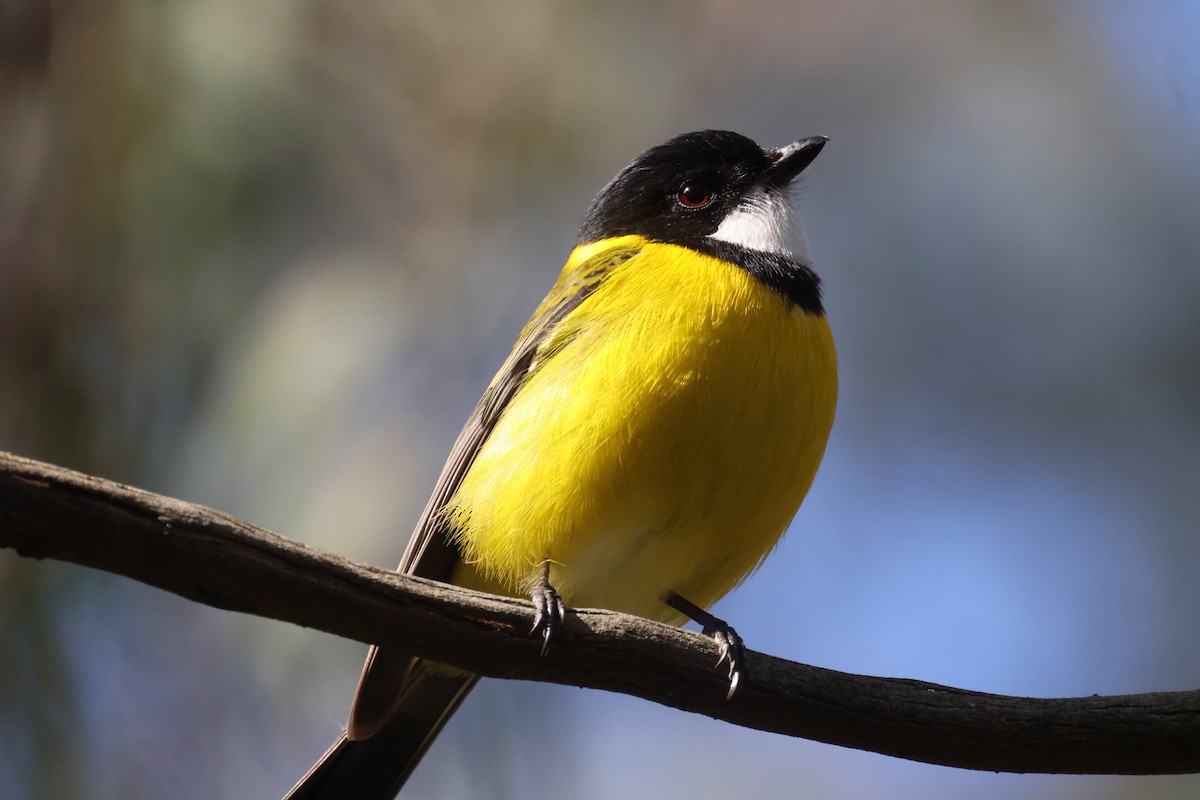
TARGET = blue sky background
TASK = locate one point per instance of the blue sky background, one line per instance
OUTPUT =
(265, 256)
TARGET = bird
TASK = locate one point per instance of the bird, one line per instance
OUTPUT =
(644, 445)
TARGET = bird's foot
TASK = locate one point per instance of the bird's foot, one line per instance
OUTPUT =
(548, 609)
(729, 644)
(731, 649)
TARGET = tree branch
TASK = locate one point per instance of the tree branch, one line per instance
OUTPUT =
(213, 558)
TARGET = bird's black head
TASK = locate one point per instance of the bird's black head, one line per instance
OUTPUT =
(703, 186)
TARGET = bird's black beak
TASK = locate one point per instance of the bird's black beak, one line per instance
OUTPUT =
(792, 159)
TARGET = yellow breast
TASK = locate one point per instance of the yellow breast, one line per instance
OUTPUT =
(665, 444)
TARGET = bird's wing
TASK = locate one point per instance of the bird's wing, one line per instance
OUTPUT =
(431, 553)
(535, 344)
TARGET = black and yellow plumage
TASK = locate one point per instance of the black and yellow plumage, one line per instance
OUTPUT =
(653, 430)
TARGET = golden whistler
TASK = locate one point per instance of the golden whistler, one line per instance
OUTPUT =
(644, 445)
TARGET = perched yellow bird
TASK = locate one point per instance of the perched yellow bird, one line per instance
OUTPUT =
(646, 442)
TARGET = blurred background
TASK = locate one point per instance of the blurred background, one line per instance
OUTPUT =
(266, 255)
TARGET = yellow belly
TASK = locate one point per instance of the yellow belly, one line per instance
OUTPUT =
(665, 446)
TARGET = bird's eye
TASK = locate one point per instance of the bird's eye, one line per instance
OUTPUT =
(695, 195)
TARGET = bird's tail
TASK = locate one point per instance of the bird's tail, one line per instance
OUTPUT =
(376, 767)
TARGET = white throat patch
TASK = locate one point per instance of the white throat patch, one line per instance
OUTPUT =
(765, 221)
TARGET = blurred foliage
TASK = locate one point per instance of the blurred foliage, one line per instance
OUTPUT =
(266, 255)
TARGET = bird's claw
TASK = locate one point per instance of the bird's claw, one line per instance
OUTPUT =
(729, 644)
(730, 648)
(548, 611)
